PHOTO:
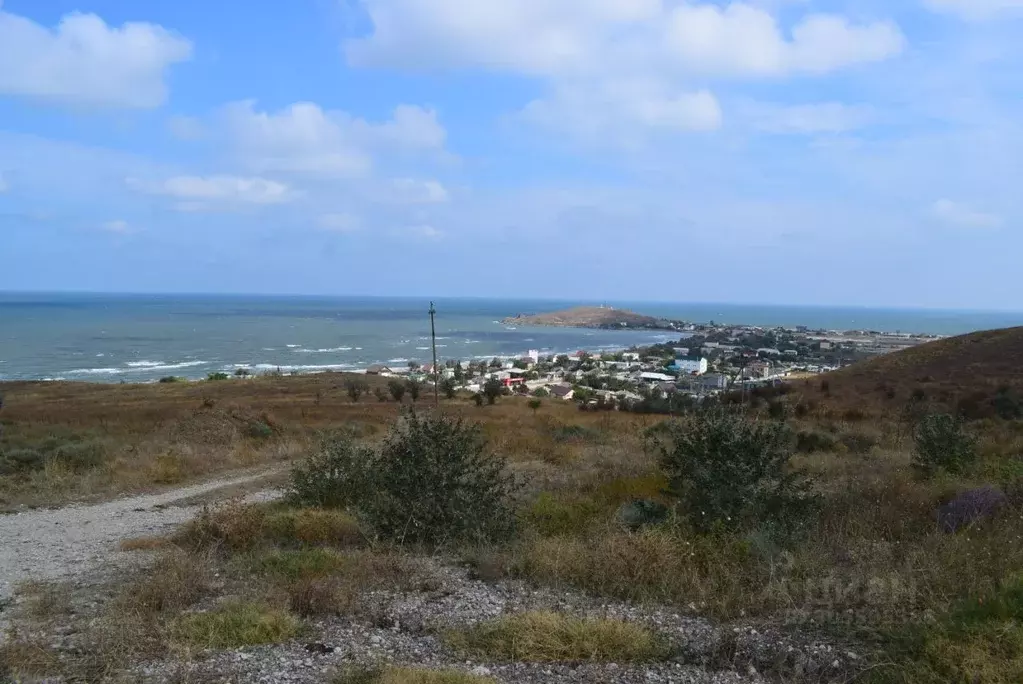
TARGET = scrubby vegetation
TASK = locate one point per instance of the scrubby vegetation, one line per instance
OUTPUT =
(819, 518)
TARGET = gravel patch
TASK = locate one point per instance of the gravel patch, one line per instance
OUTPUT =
(76, 540)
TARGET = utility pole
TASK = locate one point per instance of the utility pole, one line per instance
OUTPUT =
(436, 370)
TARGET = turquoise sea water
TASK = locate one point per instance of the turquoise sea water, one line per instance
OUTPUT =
(140, 338)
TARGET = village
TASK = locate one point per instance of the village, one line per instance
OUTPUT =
(709, 360)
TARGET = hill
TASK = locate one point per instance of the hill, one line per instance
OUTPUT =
(965, 369)
(593, 317)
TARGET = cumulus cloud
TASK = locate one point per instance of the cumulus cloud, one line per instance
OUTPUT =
(823, 117)
(186, 128)
(743, 40)
(425, 232)
(975, 10)
(82, 61)
(412, 191)
(118, 226)
(593, 110)
(962, 216)
(339, 223)
(304, 138)
(619, 67)
(200, 192)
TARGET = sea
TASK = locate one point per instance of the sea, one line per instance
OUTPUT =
(141, 338)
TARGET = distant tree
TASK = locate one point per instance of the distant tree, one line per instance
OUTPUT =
(478, 398)
(448, 387)
(492, 389)
(355, 389)
(397, 390)
(541, 392)
(535, 404)
(242, 373)
(380, 393)
(213, 377)
(459, 373)
(414, 365)
(520, 364)
(495, 362)
(414, 389)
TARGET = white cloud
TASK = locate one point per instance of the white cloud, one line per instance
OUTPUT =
(619, 69)
(962, 216)
(118, 226)
(200, 192)
(824, 117)
(186, 128)
(975, 10)
(425, 231)
(304, 138)
(742, 40)
(412, 191)
(82, 61)
(339, 223)
(595, 110)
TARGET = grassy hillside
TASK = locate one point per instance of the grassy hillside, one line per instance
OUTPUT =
(966, 371)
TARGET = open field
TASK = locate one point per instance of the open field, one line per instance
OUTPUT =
(871, 588)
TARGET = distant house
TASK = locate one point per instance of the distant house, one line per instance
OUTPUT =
(566, 392)
(378, 369)
(657, 377)
(714, 381)
(691, 365)
(630, 356)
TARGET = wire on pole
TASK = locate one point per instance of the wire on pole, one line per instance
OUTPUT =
(436, 370)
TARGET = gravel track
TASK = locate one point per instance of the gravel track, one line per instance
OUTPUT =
(75, 540)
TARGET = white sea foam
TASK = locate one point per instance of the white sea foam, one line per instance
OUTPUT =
(399, 360)
(309, 368)
(149, 366)
(293, 346)
(95, 371)
(422, 349)
(323, 351)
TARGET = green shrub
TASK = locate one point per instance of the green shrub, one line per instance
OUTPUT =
(448, 388)
(432, 481)
(858, 442)
(170, 379)
(338, 475)
(214, 377)
(492, 389)
(941, 444)
(21, 461)
(727, 472)
(397, 390)
(813, 441)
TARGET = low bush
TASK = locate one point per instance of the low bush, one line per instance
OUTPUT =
(215, 377)
(942, 444)
(234, 625)
(554, 637)
(858, 442)
(432, 481)
(730, 472)
(338, 475)
(814, 441)
(243, 527)
(175, 581)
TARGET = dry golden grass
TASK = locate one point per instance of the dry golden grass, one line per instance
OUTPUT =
(552, 637)
(144, 543)
(44, 600)
(160, 435)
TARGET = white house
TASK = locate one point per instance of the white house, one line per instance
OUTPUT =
(690, 366)
(532, 356)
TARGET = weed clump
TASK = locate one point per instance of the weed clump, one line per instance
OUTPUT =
(432, 481)
(552, 637)
(234, 625)
(728, 472)
(942, 444)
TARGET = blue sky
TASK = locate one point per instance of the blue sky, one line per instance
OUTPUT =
(779, 151)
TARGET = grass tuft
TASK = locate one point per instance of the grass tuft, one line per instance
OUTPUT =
(551, 637)
(408, 675)
(234, 625)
